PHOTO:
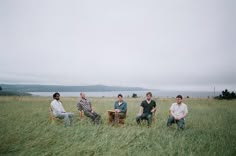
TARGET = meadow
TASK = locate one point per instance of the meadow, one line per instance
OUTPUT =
(27, 131)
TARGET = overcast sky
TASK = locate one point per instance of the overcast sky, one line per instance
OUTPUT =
(171, 44)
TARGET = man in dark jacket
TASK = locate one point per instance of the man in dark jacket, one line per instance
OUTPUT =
(120, 109)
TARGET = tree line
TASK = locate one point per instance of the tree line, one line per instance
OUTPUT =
(225, 94)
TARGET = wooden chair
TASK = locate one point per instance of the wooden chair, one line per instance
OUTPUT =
(121, 121)
(109, 114)
(52, 118)
(81, 114)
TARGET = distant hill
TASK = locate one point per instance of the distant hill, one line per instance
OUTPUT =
(55, 88)
(13, 93)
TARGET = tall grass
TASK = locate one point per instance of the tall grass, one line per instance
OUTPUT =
(25, 130)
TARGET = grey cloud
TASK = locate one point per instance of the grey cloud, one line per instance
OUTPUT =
(151, 44)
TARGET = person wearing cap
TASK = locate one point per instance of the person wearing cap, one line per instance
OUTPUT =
(85, 105)
(59, 111)
(120, 109)
(147, 108)
(178, 112)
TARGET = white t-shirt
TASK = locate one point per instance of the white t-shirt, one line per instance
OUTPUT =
(57, 107)
(179, 110)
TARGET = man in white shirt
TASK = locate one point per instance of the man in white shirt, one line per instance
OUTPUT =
(59, 111)
(178, 111)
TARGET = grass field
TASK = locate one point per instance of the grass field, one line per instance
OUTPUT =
(26, 131)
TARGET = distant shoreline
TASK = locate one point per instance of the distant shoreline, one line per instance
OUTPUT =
(60, 88)
(156, 93)
(97, 91)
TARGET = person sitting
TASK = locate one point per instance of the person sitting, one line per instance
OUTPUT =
(178, 112)
(85, 106)
(146, 110)
(59, 111)
(120, 109)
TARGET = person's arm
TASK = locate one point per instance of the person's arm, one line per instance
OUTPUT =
(115, 107)
(154, 107)
(181, 117)
(92, 109)
(172, 111)
(124, 108)
(63, 109)
(185, 113)
(52, 106)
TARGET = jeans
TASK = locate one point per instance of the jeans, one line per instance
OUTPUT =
(93, 116)
(172, 120)
(145, 116)
(68, 118)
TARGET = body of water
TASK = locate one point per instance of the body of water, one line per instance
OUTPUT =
(156, 93)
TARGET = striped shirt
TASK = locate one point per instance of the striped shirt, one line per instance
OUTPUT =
(84, 105)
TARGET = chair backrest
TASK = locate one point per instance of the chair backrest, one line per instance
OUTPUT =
(81, 113)
(51, 112)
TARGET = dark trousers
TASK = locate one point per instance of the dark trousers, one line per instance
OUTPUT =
(93, 116)
(145, 116)
(172, 120)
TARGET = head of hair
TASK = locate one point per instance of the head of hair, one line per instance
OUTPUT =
(55, 94)
(149, 93)
(120, 95)
(179, 96)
